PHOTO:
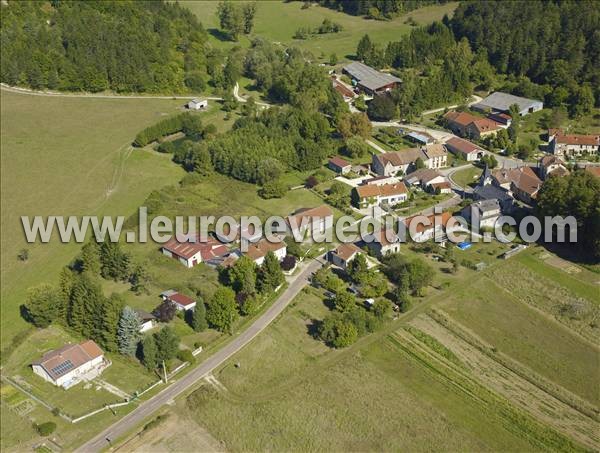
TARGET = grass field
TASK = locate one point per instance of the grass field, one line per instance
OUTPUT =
(278, 21)
(467, 176)
(69, 156)
(519, 331)
(391, 391)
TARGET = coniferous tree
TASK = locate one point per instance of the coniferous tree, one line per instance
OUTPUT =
(128, 334)
(198, 317)
(149, 352)
(83, 314)
(90, 258)
(110, 313)
(114, 261)
(270, 274)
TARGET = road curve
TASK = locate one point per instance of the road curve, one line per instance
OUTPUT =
(145, 409)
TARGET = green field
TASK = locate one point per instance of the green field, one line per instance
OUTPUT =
(517, 330)
(467, 176)
(69, 156)
(394, 390)
(277, 21)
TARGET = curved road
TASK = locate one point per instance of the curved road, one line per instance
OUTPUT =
(145, 409)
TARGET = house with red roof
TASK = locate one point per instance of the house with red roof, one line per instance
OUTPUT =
(464, 149)
(181, 301)
(192, 251)
(345, 253)
(573, 145)
(339, 165)
(66, 366)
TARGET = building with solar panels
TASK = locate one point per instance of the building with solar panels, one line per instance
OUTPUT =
(70, 364)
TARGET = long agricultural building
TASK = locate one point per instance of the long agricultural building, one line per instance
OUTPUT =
(370, 80)
(499, 102)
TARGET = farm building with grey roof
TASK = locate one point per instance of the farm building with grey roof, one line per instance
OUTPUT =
(370, 80)
(501, 102)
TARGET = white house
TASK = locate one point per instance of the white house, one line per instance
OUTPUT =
(342, 255)
(573, 145)
(465, 149)
(428, 179)
(257, 251)
(377, 195)
(197, 104)
(318, 220)
(437, 155)
(147, 320)
(71, 364)
(423, 228)
(483, 213)
(181, 301)
(390, 164)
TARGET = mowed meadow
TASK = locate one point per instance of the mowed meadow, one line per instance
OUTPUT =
(278, 21)
(473, 366)
(69, 156)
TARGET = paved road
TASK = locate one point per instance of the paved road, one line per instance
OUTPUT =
(145, 409)
(475, 100)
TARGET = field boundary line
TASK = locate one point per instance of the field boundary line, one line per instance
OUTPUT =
(551, 388)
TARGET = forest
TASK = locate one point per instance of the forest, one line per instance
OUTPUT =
(377, 9)
(124, 46)
(543, 50)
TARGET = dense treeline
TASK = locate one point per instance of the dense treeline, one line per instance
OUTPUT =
(259, 149)
(553, 43)
(185, 122)
(377, 9)
(287, 76)
(125, 46)
(544, 50)
(578, 195)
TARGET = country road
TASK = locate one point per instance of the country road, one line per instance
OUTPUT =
(97, 96)
(147, 408)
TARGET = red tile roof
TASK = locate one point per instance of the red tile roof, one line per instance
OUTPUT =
(383, 190)
(209, 249)
(460, 118)
(462, 146)
(485, 125)
(339, 162)
(320, 212)
(262, 247)
(347, 250)
(181, 299)
(587, 140)
(420, 228)
(61, 361)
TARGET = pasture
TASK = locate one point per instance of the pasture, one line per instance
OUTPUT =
(277, 21)
(401, 388)
(69, 156)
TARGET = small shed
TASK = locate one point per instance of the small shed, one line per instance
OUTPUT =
(197, 104)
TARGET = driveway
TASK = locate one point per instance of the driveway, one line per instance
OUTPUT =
(147, 408)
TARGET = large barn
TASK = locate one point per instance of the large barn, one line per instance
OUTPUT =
(370, 80)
